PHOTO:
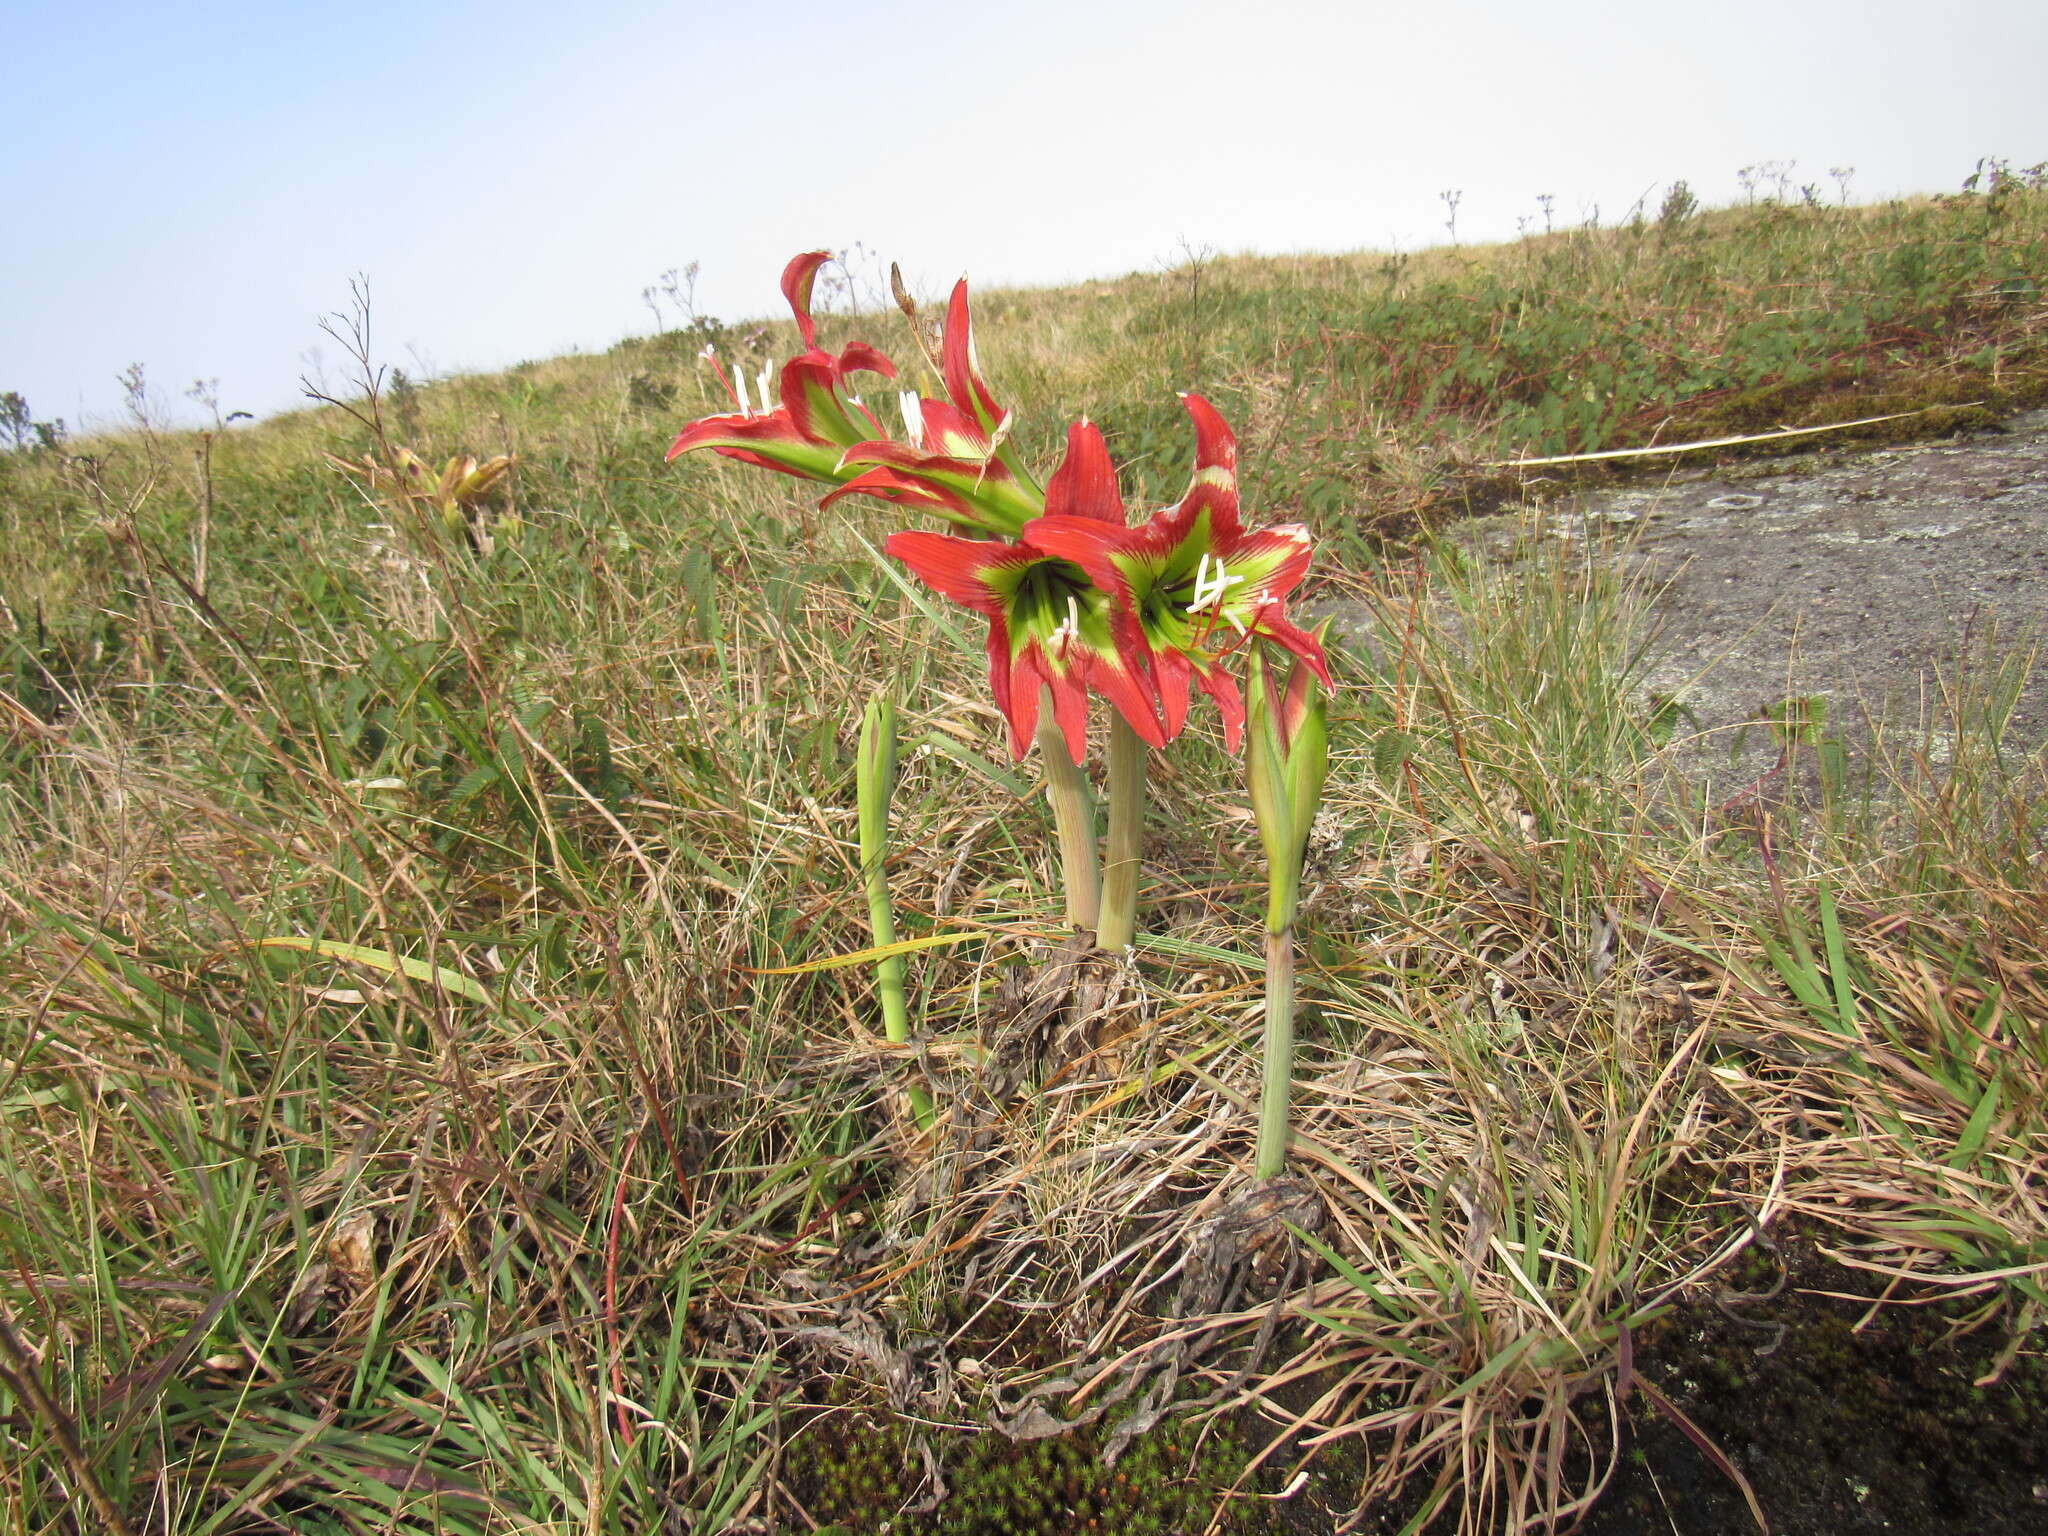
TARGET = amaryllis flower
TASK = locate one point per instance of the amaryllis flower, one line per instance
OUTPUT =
(955, 470)
(817, 420)
(1191, 585)
(1049, 625)
(959, 461)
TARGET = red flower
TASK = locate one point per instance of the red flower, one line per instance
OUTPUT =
(963, 465)
(1049, 625)
(1191, 585)
(807, 435)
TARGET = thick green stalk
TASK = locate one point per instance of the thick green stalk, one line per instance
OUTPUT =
(1073, 818)
(1127, 750)
(1272, 1155)
(875, 784)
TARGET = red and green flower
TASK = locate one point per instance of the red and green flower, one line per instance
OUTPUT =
(1192, 585)
(1076, 600)
(818, 419)
(1050, 625)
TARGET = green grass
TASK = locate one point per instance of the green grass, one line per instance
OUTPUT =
(513, 1194)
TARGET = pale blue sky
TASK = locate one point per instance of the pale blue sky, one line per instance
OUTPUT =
(195, 185)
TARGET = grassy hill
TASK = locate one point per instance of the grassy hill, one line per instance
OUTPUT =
(411, 1123)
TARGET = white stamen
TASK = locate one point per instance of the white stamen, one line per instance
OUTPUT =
(739, 389)
(709, 352)
(765, 386)
(1070, 627)
(1210, 590)
(913, 417)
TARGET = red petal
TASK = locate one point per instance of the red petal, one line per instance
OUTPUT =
(885, 484)
(1172, 670)
(1290, 542)
(1070, 709)
(1085, 483)
(1129, 698)
(1222, 687)
(885, 450)
(956, 567)
(1274, 624)
(746, 457)
(943, 422)
(1092, 545)
(1215, 476)
(808, 397)
(797, 279)
(730, 434)
(859, 357)
(1215, 443)
(698, 433)
(962, 368)
(1015, 687)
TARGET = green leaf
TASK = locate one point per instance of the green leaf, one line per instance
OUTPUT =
(1971, 1142)
(383, 960)
(868, 956)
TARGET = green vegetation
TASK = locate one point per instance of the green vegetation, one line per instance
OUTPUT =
(526, 1188)
(856, 1470)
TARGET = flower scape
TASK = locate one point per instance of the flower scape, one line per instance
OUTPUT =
(1078, 601)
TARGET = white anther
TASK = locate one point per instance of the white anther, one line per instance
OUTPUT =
(1070, 627)
(765, 386)
(913, 417)
(1210, 590)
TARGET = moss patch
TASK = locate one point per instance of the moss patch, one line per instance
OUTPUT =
(1841, 1429)
(860, 1470)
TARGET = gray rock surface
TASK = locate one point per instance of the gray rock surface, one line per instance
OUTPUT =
(1870, 576)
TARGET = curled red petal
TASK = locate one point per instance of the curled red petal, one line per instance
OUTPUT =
(884, 450)
(949, 429)
(962, 368)
(797, 279)
(772, 441)
(1276, 626)
(813, 404)
(703, 433)
(859, 357)
(886, 484)
(761, 461)
(1085, 483)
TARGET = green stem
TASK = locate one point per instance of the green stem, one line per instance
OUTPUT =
(1127, 750)
(1272, 1156)
(1073, 818)
(875, 784)
(888, 972)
